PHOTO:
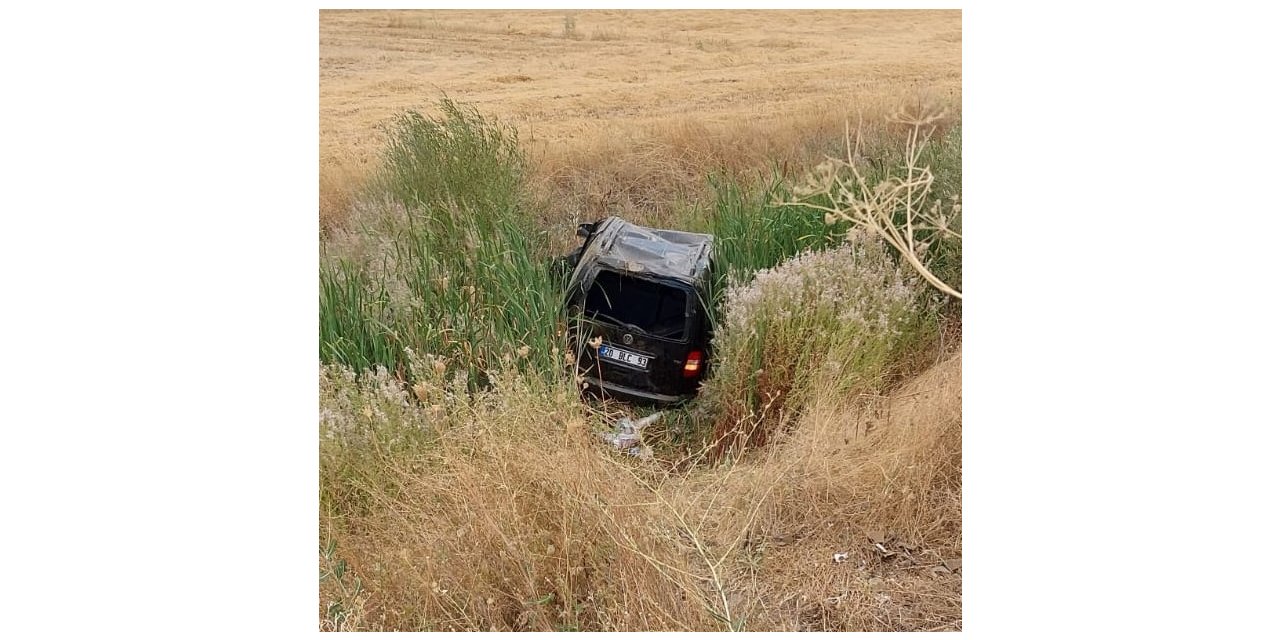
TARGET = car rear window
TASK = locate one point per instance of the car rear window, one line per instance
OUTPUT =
(656, 308)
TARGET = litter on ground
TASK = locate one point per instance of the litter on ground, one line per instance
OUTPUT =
(626, 434)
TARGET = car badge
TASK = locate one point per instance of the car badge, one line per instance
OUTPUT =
(628, 339)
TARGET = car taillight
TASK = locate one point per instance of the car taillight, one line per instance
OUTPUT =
(693, 364)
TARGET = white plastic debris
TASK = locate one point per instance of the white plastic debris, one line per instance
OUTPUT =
(626, 434)
(839, 557)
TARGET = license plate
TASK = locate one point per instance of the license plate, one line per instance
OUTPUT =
(625, 357)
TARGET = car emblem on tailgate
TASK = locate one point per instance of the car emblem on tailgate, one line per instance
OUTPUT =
(628, 339)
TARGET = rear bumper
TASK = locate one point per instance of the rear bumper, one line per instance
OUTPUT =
(636, 394)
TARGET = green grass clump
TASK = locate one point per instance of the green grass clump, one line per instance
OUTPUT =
(458, 157)
(752, 232)
(943, 157)
(355, 327)
(461, 271)
(839, 316)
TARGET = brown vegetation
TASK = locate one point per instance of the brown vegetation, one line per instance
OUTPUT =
(641, 107)
(448, 507)
(518, 519)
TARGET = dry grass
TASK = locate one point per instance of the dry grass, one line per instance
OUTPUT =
(855, 471)
(640, 104)
(340, 183)
(515, 517)
(502, 509)
(640, 171)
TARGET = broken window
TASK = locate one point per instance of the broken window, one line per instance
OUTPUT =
(657, 309)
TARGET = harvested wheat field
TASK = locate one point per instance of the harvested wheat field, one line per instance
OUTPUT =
(629, 93)
(813, 483)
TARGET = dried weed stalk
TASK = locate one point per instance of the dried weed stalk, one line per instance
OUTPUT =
(897, 209)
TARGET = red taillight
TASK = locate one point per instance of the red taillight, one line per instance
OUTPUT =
(693, 364)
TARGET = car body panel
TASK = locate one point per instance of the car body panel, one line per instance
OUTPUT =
(641, 291)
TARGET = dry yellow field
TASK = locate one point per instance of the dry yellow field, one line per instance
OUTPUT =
(585, 87)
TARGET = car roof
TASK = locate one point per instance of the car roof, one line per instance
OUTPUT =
(631, 248)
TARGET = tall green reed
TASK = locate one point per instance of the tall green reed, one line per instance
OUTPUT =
(464, 273)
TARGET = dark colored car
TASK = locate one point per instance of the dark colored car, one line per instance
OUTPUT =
(644, 293)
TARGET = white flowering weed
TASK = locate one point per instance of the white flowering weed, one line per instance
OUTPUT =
(838, 315)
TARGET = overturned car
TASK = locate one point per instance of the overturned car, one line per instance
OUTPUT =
(637, 300)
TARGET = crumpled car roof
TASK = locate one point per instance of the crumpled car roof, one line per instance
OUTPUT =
(628, 247)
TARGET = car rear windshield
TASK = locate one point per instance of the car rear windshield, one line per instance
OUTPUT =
(657, 309)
